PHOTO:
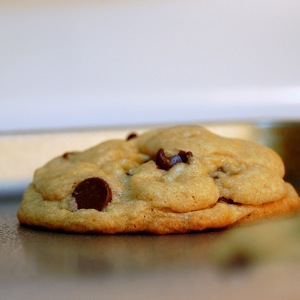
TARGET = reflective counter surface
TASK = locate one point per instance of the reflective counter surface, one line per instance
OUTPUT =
(44, 264)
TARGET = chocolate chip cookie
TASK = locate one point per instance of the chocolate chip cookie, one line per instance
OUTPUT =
(170, 180)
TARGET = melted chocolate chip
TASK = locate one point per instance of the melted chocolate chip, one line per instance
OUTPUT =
(92, 193)
(131, 136)
(185, 156)
(167, 162)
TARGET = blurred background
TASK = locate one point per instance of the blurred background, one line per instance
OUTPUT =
(82, 64)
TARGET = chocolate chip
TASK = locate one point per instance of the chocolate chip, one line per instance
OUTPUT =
(185, 156)
(131, 136)
(92, 193)
(218, 173)
(66, 155)
(167, 162)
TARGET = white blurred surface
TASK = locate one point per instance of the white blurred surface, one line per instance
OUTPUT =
(75, 64)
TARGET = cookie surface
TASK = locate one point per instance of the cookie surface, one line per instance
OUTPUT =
(170, 180)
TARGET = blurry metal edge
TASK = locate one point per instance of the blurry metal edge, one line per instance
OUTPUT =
(18, 164)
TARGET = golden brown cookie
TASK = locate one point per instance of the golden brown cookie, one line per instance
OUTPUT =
(170, 180)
